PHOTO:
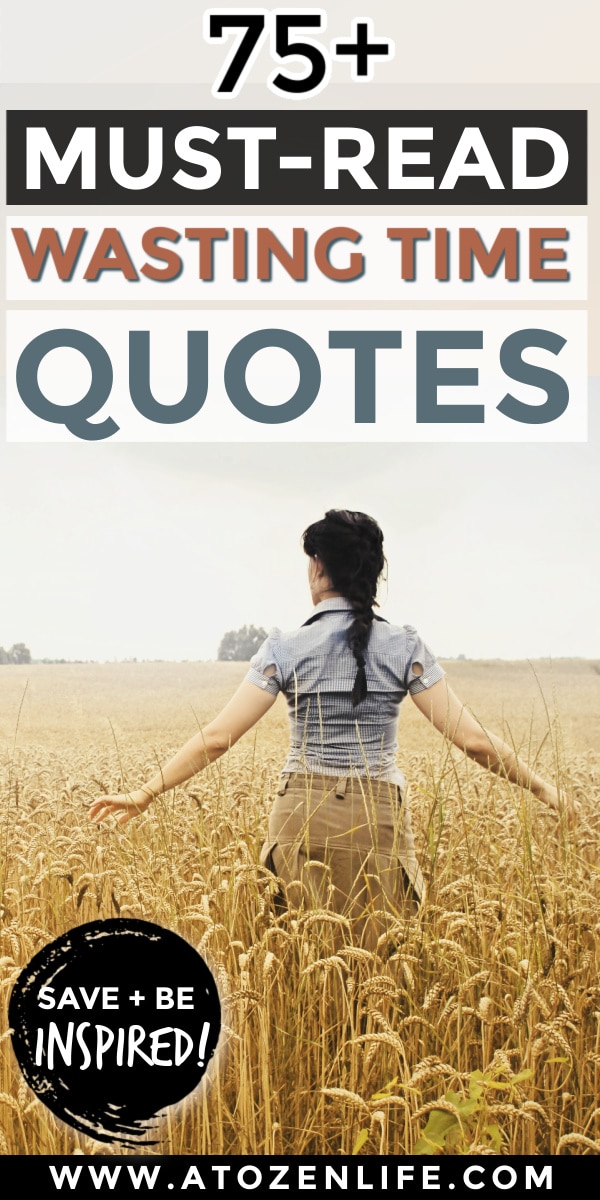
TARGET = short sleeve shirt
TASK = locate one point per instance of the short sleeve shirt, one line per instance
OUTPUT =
(315, 669)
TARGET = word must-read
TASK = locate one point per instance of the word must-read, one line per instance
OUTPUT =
(291, 157)
(346, 150)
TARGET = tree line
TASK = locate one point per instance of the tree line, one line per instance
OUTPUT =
(237, 645)
(19, 653)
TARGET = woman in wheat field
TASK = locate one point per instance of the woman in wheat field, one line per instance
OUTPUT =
(339, 827)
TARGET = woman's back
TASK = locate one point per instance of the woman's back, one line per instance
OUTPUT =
(315, 668)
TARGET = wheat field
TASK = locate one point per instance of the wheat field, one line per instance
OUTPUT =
(471, 1028)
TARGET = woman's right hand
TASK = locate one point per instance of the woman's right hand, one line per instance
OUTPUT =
(124, 807)
(549, 796)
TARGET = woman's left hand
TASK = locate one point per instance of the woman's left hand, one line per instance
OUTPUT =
(125, 806)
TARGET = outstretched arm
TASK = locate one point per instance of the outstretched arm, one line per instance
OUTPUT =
(245, 708)
(443, 708)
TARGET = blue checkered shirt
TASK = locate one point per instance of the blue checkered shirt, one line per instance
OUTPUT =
(315, 669)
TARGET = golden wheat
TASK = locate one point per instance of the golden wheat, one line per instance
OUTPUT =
(324, 1042)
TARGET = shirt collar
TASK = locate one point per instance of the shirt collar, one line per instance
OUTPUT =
(334, 604)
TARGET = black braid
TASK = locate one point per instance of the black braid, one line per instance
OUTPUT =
(350, 546)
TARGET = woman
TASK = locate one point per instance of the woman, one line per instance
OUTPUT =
(339, 826)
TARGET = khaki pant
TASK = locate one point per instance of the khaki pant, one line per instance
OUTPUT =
(337, 844)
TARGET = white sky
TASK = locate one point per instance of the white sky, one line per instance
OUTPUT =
(155, 551)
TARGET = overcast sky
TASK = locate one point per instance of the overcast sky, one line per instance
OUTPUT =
(155, 551)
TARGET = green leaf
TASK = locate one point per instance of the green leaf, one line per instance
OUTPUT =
(465, 1108)
(423, 1146)
(494, 1134)
(439, 1125)
(526, 1074)
(360, 1141)
(477, 1083)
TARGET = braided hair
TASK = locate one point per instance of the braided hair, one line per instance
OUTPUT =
(350, 546)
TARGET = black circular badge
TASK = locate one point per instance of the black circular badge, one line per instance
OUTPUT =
(112, 1022)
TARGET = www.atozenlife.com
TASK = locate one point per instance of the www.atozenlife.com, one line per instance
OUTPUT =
(193, 1176)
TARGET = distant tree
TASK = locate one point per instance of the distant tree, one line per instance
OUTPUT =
(240, 644)
(18, 653)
